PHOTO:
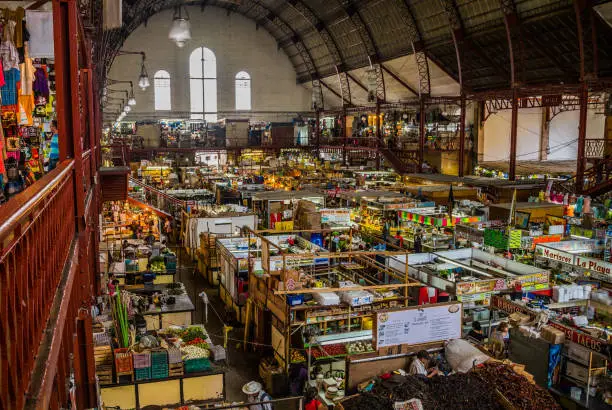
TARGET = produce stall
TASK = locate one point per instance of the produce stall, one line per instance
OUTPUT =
(170, 367)
(129, 220)
(277, 207)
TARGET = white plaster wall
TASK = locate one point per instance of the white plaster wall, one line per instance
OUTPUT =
(562, 134)
(238, 46)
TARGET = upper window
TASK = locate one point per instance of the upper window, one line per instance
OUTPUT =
(243, 91)
(163, 94)
(203, 84)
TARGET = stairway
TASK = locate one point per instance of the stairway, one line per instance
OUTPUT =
(402, 161)
(597, 180)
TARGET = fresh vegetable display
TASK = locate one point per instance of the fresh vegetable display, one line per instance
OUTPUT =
(359, 347)
(328, 351)
(297, 356)
(157, 264)
(191, 333)
(191, 352)
(199, 342)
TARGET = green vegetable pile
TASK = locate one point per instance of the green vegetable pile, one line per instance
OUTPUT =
(193, 332)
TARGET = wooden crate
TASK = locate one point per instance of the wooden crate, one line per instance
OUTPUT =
(175, 369)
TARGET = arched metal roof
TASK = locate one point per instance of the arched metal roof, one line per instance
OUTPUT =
(324, 37)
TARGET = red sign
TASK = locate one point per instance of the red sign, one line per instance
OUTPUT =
(583, 339)
(509, 306)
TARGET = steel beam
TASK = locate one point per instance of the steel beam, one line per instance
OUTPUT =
(579, 7)
(416, 42)
(456, 27)
(513, 134)
(462, 136)
(510, 20)
(399, 80)
(345, 87)
(331, 90)
(421, 133)
(356, 81)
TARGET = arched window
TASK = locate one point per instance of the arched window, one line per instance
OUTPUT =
(203, 84)
(243, 91)
(163, 93)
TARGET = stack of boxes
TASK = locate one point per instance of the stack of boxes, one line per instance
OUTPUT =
(307, 216)
(103, 356)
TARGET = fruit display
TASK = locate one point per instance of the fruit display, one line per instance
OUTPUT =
(337, 349)
(297, 357)
(359, 347)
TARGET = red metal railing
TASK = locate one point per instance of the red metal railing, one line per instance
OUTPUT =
(35, 237)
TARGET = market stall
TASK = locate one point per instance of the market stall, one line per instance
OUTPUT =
(470, 276)
(170, 367)
(276, 208)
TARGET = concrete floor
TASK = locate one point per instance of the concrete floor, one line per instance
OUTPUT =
(241, 366)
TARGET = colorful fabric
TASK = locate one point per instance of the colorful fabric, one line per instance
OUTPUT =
(54, 150)
(26, 107)
(8, 51)
(9, 90)
(41, 85)
(27, 73)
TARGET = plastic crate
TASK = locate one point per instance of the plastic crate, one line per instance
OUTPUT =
(123, 361)
(142, 360)
(159, 357)
(160, 372)
(197, 365)
(174, 355)
(143, 373)
(293, 300)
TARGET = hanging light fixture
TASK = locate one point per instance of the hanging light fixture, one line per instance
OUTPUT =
(143, 80)
(180, 32)
(127, 108)
(131, 99)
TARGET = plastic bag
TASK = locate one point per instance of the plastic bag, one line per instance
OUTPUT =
(462, 355)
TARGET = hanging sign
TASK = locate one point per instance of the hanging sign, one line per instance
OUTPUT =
(468, 288)
(509, 307)
(555, 255)
(583, 339)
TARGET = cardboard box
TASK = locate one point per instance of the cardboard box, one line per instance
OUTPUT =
(577, 352)
(552, 335)
(517, 319)
(577, 371)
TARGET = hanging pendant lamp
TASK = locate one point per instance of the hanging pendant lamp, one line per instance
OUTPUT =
(180, 32)
(143, 80)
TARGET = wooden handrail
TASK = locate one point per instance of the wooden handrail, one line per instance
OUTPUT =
(24, 202)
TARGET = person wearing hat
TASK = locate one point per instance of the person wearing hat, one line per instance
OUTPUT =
(256, 394)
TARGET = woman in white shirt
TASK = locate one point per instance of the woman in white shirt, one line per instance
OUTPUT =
(419, 365)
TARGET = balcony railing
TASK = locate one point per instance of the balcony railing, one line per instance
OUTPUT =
(36, 234)
(594, 148)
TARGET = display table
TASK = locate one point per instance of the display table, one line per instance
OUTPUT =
(189, 389)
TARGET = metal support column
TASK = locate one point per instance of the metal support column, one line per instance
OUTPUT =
(513, 132)
(378, 135)
(462, 137)
(421, 133)
(343, 135)
(582, 122)
(545, 134)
